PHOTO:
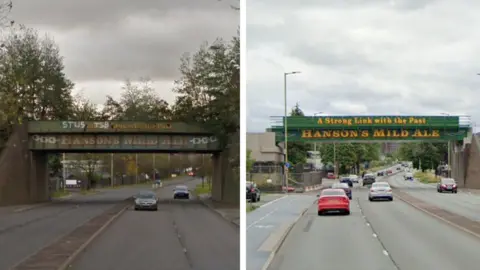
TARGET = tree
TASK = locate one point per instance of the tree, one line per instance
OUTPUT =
(138, 102)
(349, 155)
(424, 155)
(250, 161)
(209, 88)
(297, 151)
(32, 78)
(83, 109)
(5, 9)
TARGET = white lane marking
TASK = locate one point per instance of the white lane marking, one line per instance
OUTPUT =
(374, 235)
(276, 200)
(385, 252)
(262, 218)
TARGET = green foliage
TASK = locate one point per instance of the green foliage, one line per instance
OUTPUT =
(250, 160)
(138, 102)
(349, 155)
(209, 88)
(424, 155)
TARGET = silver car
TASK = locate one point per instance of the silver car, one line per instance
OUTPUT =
(146, 201)
(380, 190)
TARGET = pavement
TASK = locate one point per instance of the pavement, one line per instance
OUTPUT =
(180, 235)
(376, 236)
(465, 203)
(229, 212)
(46, 223)
(267, 224)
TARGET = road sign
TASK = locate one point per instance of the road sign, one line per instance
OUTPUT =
(287, 165)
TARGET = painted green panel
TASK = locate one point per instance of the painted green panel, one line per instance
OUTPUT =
(384, 134)
(38, 127)
(341, 122)
(99, 142)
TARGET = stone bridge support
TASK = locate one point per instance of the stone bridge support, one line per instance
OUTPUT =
(23, 174)
(225, 179)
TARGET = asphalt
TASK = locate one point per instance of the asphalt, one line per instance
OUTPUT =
(462, 203)
(266, 225)
(267, 198)
(182, 234)
(376, 236)
(25, 233)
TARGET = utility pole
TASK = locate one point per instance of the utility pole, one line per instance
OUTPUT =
(285, 124)
(154, 169)
(335, 159)
(112, 183)
(136, 168)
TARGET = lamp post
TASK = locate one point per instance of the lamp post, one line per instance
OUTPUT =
(285, 75)
(448, 147)
(315, 143)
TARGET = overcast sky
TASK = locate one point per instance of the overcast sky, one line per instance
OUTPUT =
(363, 57)
(104, 42)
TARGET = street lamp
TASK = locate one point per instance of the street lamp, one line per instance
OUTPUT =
(448, 147)
(285, 74)
(314, 142)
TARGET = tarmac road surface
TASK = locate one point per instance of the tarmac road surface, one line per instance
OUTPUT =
(182, 234)
(376, 236)
(462, 203)
(25, 233)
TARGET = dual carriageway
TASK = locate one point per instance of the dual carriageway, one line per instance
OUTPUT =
(288, 234)
(180, 235)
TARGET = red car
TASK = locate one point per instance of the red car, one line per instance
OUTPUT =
(333, 200)
(290, 188)
(447, 184)
(330, 176)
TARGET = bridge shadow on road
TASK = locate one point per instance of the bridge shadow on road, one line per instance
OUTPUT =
(103, 201)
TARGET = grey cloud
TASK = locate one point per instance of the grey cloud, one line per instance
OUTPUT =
(430, 67)
(93, 14)
(97, 44)
(330, 54)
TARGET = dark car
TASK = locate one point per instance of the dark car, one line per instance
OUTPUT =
(345, 187)
(181, 192)
(347, 180)
(448, 185)
(368, 179)
(146, 201)
(253, 193)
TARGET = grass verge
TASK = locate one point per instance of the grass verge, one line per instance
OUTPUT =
(425, 177)
(206, 189)
(251, 207)
(87, 192)
(60, 194)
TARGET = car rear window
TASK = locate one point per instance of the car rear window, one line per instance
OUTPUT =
(381, 185)
(448, 181)
(333, 192)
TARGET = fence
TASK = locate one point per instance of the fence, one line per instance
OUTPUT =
(271, 182)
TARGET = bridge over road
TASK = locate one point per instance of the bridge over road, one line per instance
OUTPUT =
(23, 159)
(464, 147)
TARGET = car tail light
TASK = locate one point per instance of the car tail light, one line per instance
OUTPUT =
(252, 190)
(322, 200)
(443, 185)
(389, 189)
(345, 199)
(454, 186)
(372, 190)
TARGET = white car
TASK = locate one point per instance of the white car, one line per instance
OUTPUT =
(380, 190)
(354, 178)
